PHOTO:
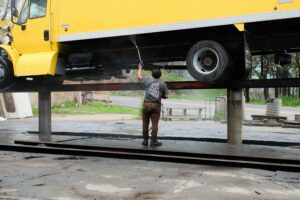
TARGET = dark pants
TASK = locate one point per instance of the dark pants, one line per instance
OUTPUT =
(151, 111)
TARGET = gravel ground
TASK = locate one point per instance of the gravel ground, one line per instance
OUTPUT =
(201, 129)
(36, 176)
(26, 176)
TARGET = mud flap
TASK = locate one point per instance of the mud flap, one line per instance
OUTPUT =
(242, 61)
(248, 54)
(35, 64)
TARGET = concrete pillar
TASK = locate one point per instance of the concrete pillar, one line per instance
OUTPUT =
(45, 116)
(234, 116)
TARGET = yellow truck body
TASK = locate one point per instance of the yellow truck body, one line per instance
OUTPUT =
(39, 38)
(109, 18)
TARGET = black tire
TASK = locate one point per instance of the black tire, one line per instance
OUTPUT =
(239, 71)
(208, 61)
(6, 73)
(242, 63)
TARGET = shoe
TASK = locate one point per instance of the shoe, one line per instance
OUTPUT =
(155, 143)
(145, 143)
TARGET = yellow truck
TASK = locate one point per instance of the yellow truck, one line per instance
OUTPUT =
(98, 38)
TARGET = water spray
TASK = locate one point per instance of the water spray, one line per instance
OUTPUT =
(133, 40)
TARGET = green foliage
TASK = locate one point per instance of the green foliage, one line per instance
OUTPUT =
(169, 76)
(219, 116)
(166, 76)
(35, 112)
(258, 101)
(289, 101)
(276, 71)
(199, 95)
(71, 108)
(286, 101)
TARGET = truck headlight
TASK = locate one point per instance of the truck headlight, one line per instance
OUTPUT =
(6, 40)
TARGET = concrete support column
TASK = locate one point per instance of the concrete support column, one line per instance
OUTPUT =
(45, 116)
(234, 116)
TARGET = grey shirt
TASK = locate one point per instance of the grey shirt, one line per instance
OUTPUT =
(155, 89)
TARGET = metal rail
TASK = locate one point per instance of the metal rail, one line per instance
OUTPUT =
(186, 85)
(155, 155)
(126, 136)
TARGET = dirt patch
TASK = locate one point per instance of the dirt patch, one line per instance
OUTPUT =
(39, 185)
(150, 195)
(70, 158)
(33, 157)
(93, 118)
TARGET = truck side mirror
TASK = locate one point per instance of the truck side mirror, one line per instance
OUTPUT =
(14, 10)
(20, 18)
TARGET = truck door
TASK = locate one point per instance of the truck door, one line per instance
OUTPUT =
(34, 35)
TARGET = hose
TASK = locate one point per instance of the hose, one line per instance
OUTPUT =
(133, 40)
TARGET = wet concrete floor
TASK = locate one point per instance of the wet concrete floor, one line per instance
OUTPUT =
(201, 129)
(26, 176)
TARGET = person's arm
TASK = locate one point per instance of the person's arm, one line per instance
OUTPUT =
(167, 95)
(139, 75)
(166, 92)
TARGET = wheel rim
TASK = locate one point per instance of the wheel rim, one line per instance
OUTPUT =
(2, 73)
(206, 60)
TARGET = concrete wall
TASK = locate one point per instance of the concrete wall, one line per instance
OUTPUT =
(15, 105)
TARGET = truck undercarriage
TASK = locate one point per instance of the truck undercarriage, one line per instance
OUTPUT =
(108, 55)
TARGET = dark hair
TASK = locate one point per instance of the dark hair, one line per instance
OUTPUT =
(156, 73)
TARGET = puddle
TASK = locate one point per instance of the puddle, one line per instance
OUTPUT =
(229, 174)
(285, 192)
(33, 157)
(70, 158)
(107, 188)
(148, 195)
(39, 185)
(189, 185)
(9, 137)
(235, 190)
(8, 190)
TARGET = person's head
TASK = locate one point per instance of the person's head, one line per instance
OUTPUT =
(156, 73)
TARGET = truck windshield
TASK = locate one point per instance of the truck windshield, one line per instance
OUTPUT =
(24, 12)
(4, 9)
(37, 10)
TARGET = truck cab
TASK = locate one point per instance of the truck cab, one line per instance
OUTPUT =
(26, 50)
(213, 40)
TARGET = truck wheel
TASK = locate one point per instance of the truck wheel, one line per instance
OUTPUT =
(6, 73)
(208, 61)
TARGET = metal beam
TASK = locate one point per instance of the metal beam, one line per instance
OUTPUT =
(234, 116)
(186, 85)
(86, 135)
(156, 155)
(45, 116)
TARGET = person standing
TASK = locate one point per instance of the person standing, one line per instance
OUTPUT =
(155, 90)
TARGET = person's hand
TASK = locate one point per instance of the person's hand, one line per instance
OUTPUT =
(139, 75)
(140, 65)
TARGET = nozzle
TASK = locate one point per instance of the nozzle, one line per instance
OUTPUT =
(132, 38)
